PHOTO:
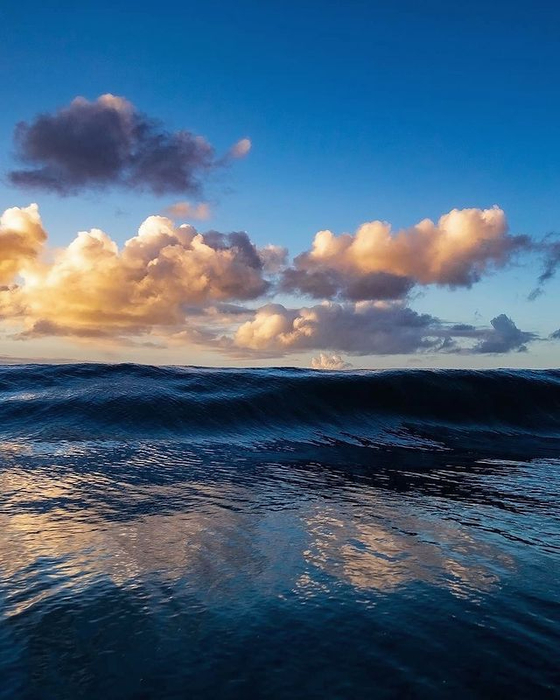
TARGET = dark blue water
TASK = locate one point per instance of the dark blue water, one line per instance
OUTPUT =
(190, 533)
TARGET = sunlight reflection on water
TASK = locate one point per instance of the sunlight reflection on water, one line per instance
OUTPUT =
(142, 568)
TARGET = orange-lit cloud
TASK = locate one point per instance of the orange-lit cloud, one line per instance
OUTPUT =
(21, 238)
(187, 210)
(93, 289)
(329, 362)
(178, 286)
(379, 263)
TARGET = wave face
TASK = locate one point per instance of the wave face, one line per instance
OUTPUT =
(386, 408)
(278, 533)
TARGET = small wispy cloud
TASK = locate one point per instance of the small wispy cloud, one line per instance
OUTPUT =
(240, 149)
(550, 247)
(186, 210)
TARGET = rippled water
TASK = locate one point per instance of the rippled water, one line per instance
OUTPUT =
(171, 533)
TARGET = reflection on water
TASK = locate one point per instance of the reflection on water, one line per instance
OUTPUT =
(401, 550)
(155, 569)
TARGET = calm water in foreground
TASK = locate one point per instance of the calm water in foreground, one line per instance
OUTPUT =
(186, 533)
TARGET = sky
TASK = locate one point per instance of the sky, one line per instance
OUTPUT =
(249, 127)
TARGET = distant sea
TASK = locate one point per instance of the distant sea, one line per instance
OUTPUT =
(278, 533)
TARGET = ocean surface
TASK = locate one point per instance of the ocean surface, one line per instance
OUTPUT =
(278, 533)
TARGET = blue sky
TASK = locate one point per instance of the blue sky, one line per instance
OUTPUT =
(356, 111)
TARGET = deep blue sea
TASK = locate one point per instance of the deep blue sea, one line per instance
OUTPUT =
(278, 533)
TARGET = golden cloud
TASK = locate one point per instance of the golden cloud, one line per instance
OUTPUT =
(181, 286)
(377, 262)
(21, 238)
(92, 288)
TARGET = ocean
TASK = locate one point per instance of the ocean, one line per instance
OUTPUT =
(278, 533)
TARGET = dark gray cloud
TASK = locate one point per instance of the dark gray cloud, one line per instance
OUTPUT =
(551, 249)
(109, 142)
(504, 336)
(463, 328)
(555, 335)
(332, 284)
(247, 252)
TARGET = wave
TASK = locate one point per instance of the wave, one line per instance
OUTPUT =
(406, 408)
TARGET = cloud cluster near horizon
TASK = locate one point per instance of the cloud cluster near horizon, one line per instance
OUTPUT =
(108, 141)
(332, 362)
(368, 328)
(172, 284)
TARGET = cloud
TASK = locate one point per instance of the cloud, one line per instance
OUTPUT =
(330, 284)
(504, 336)
(363, 328)
(109, 142)
(94, 289)
(172, 284)
(551, 249)
(378, 263)
(186, 210)
(21, 239)
(329, 362)
(240, 149)
(18, 360)
(273, 258)
(555, 335)
(367, 328)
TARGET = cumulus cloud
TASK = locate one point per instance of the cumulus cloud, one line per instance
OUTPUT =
(368, 328)
(362, 328)
(94, 289)
(329, 362)
(21, 238)
(379, 263)
(106, 142)
(187, 210)
(178, 285)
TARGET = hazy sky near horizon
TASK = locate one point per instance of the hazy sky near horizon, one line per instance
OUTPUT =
(281, 120)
